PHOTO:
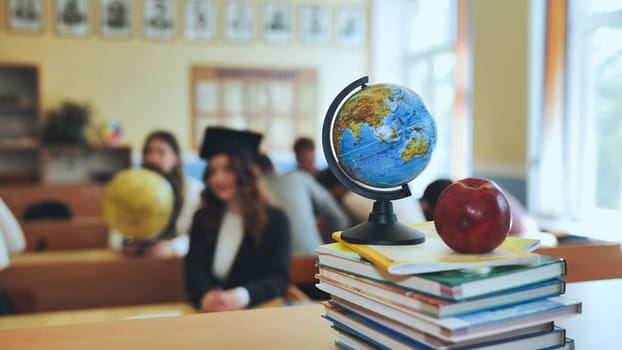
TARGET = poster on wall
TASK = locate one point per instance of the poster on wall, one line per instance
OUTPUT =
(159, 19)
(315, 25)
(277, 23)
(72, 17)
(281, 103)
(351, 27)
(116, 18)
(239, 21)
(25, 15)
(200, 20)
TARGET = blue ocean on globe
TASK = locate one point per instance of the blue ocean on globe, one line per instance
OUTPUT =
(384, 136)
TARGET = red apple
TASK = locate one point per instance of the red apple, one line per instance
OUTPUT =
(472, 216)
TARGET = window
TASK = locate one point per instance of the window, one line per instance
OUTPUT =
(584, 188)
(433, 42)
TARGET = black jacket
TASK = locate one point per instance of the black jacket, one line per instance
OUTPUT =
(263, 270)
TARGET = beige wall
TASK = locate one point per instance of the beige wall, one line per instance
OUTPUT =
(145, 83)
(500, 33)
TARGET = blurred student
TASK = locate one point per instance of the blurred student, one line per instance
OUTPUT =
(12, 239)
(161, 151)
(304, 150)
(430, 196)
(305, 201)
(357, 207)
(239, 244)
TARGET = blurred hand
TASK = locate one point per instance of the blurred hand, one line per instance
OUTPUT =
(218, 300)
(129, 248)
(161, 249)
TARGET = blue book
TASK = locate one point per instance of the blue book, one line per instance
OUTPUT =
(457, 328)
(356, 331)
(408, 299)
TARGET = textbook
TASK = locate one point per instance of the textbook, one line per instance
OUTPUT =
(463, 327)
(411, 301)
(454, 284)
(434, 255)
(359, 332)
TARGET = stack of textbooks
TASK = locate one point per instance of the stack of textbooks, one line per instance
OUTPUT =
(429, 297)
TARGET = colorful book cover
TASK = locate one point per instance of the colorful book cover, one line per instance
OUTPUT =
(453, 284)
(382, 335)
(434, 255)
(409, 300)
(463, 327)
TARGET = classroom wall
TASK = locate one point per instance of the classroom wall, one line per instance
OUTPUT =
(145, 83)
(500, 33)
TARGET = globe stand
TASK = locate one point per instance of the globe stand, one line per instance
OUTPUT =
(382, 227)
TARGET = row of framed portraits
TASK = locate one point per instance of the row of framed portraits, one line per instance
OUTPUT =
(202, 20)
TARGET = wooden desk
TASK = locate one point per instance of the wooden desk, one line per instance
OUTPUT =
(75, 233)
(61, 318)
(83, 199)
(297, 327)
(588, 261)
(98, 278)
(80, 279)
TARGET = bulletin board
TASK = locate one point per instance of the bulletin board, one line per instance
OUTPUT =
(279, 103)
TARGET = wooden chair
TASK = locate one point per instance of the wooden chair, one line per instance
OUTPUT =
(83, 200)
(77, 233)
(303, 271)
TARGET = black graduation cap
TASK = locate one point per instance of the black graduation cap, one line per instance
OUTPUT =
(224, 140)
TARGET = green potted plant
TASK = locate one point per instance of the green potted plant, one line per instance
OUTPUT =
(66, 125)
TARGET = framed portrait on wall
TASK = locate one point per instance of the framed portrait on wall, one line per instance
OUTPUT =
(351, 27)
(72, 17)
(159, 19)
(315, 26)
(277, 23)
(25, 15)
(116, 18)
(240, 21)
(200, 20)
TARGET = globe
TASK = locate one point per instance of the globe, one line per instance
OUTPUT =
(139, 203)
(383, 135)
(379, 139)
(110, 132)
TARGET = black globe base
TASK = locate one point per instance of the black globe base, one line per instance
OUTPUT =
(382, 228)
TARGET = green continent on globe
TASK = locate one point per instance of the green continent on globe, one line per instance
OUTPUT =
(416, 147)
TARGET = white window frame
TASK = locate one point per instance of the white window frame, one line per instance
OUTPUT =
(574, 213)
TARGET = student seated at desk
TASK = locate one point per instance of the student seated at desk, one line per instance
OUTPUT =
(305, 201)
(304, 150)
(239, 245)
(161, 151)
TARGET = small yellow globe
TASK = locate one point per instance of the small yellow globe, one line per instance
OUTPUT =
(138, 203)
